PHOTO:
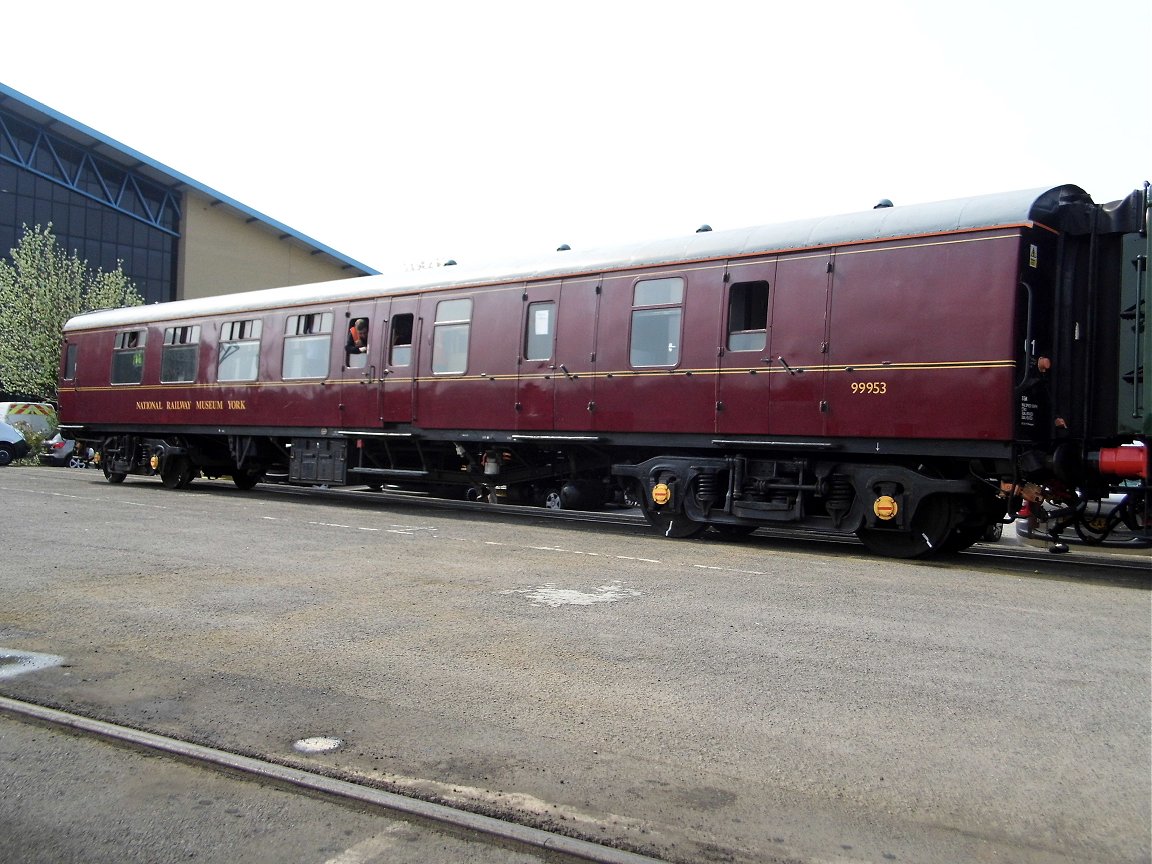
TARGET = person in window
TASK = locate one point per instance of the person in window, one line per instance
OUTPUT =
(357, 337)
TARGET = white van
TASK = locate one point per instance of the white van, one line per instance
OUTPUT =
(38, 417)
(12, 444)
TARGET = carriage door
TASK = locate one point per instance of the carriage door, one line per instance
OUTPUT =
(745, 366)
(535, 381)
(357, 350)
(574, 380)
(798, 344)
(398, 385)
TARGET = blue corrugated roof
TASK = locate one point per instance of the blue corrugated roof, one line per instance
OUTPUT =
(112, 149)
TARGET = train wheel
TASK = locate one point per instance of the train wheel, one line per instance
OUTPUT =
(177, 473)
(674, 525)
(932, 528)
(113, 476)
(964, 538)
(733, 532)
(244, 480)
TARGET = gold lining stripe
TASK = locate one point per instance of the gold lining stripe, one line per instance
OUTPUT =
(837, 369)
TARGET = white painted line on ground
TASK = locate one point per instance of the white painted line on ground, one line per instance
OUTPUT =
(368, 850)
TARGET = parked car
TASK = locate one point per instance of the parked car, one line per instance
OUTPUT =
(12, 444)
(59, 450)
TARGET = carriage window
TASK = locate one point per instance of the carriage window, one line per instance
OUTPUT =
(239, 353)
(656, 314)
(128, 357)
(401, 340)
(70, 363)
(450, 336)
(181, 354)
(356, 344)
(540, 327)
(748, 316)
(307, 344)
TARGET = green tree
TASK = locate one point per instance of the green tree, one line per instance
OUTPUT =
(40, 290)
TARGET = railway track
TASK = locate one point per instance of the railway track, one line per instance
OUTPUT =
(559, 848)
(1033, 555)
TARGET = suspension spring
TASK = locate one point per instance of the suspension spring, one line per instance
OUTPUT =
(841, 494)
(706, 488)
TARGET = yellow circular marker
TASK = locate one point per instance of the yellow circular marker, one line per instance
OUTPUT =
(885, 507)
(661, 494)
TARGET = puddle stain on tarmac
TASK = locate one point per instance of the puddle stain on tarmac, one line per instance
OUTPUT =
(13, 663)
(549, 594)
(317, 744)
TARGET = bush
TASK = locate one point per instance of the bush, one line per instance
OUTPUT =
(35, 441)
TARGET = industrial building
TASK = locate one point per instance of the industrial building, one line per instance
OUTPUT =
(174, 237)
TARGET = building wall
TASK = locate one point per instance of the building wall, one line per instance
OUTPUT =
(99, 235)
(222, 252)
(173, 237)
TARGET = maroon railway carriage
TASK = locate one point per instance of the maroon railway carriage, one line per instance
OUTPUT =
(901, 374)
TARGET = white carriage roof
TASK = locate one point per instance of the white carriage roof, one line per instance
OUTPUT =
(985, 211)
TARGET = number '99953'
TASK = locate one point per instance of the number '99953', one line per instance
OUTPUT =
(870, 388)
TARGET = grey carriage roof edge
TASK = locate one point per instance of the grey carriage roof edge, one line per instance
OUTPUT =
(915, 219)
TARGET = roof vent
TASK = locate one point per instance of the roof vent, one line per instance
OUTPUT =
(563, 247)
(882, 203)
(704, 229)
(451, 262)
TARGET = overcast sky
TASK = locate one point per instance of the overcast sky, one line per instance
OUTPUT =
(403, 134)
